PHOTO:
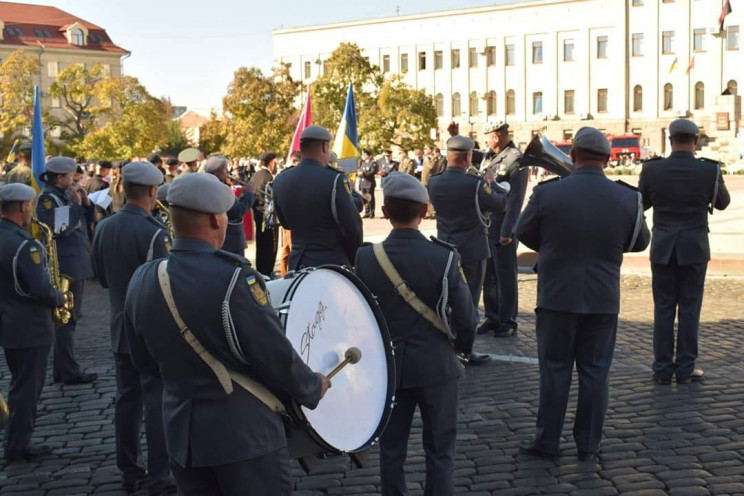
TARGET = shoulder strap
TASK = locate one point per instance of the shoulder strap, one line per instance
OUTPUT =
(334, 210)
(715, 190)
(485, 219)
(402, 288)
(224, 375)
(638, 222)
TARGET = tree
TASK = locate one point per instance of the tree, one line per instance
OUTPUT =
(76, 86)
(212, 135)
(176, 139)
(17, 77)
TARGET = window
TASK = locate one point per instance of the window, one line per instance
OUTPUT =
(439, 104)
(491, 103)
(422, 61)
(325, 67)
(509, 55)
(637, 46)
(637, 98)
(307, 70)
(568, 101)
(78, 38)
(56, 102)
(637, 3)
(438, 60)
(537, 102)
(699, 95)
(602, 100)
(403, 63)
(472, 58)
(456, 108)
(668, 96)
(52, 69)
(601, 47)
(568, 50)
(106, 70)
(667, 42)
(697, 40)
(732, 37)
(39, 33)
(537, 54)
(386, 63)
(732, 88)
(14, 31)
(473, 107)
(455, 59)
(511, 104)
(491, 56)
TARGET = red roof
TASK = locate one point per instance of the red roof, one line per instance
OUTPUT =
(29, 25)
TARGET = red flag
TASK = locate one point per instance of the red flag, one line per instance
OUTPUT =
(724, 12)
(306, 120)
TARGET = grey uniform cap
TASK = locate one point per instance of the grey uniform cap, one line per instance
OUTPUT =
(143, 173)
(494, 126)
(16, 192)
(214, 162)
(683, 126)
(460, 144)
(163, 192)
(60, 165)
(315, 133)
(592, 140)
(404, 187)
(201, 192)
(189, 155)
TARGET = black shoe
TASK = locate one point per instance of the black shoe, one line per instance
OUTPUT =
(365, 216)
(133, 485)
(33, 451)
(162, 486)
(696, 376)
(485, 328)
(478, 358)
(82, 379)
(662, 380)
(529, 448)
(505, 332)
(587, 456)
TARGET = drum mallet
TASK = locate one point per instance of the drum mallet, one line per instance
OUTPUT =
(352, 356)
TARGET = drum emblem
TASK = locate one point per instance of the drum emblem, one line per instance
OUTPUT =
(257, 291)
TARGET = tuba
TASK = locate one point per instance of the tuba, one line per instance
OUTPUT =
(63, 314)
(542, 153)
(164, 216)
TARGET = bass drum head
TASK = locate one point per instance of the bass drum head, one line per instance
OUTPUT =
(330, 311)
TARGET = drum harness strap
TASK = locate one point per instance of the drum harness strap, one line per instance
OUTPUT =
(405, 291)
(224, 375)
(638, 222)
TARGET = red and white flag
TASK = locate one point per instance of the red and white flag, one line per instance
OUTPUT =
(306, 120)
(724, 12)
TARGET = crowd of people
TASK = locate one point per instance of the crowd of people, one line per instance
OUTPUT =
(190, 315)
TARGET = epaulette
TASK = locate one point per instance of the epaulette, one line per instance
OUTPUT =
(438, 241)
(653, 159)
(514, 151)
(155, 221)
(552, 179)
(709, 161)
(234, 259)
(623, 183)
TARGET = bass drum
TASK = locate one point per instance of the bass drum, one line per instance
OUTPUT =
(325, 311)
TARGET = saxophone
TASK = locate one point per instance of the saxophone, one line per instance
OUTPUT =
(63, 314)
(164, 215)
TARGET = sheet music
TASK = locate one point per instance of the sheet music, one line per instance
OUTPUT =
(61, 218)
(101, 198)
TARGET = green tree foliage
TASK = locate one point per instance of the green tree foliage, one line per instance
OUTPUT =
(176, 139)
(212, 135)
(18, 74)
(75, 86)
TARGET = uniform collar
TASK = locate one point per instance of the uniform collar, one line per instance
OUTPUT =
(593, 171)
(53, 189)
(9, 224)
(453, 169)
(406, 233)
(681, 154)
(310, 161)
(191, 244)
(132, 209)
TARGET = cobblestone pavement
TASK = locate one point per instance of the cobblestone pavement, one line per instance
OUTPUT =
(678, 440)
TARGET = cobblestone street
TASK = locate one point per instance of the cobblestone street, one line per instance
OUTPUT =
(679, 440)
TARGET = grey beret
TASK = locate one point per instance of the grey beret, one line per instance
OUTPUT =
(593, 140)
(494, 126)
(201, 192)
(315, 133)
(683, 126)
(189, 155)
(215, 162)
(404, 187)
(143, 173)
(163, 192)
(60, 165)
(16, 192)
(460, 144)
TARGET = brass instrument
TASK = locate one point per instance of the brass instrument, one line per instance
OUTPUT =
(542, 153)
(61, 283)
(165, 215)
(4, 412)
(473, 171)
(238, 180)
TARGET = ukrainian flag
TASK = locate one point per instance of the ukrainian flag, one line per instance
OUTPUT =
(38, 153)
(12, 154)
(346, 144)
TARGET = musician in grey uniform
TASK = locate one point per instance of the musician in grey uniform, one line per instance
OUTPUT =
(235, 238)
(221, 438)
(67, 202)
(368, 168)
(314, 201)
(267, 238)
(500, 292)
(680, 188)
(122, 243)
(464, 203)
(26, 328)
(427, 370)
(580, 226)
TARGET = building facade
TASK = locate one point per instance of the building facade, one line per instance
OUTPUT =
(623, 66)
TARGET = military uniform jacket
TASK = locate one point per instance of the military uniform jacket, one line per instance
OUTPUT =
(21, 173)
(505, 167)
(581, 226)
(260, 179)
(96, 183)
(423, 354)
(204, 426)
(368, 170)
(407, 165)
(122, 243)
(679, 188)
(235, 234)
(454, 194)
(304, 203)
(72, 243)
(385, 167)
(26, 293)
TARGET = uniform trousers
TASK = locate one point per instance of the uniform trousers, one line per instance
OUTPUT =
(266, 245)
(500, 291)
(27, 375)
(137, 391)
(369, 207)
(475, 271)
(438, 406)
(65, 365)
(678, 290)
(562, 339)
(267, 475)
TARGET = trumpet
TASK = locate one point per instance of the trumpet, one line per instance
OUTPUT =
(164, 216)
(61, 283)
(473, 171)
(237, 180)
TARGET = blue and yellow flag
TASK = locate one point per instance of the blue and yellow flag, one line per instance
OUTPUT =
(38, 152)
(346, 144)
(12, 154)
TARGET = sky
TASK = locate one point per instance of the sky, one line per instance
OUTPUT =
(188, 50)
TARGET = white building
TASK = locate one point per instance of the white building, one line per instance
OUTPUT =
(554, 64)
